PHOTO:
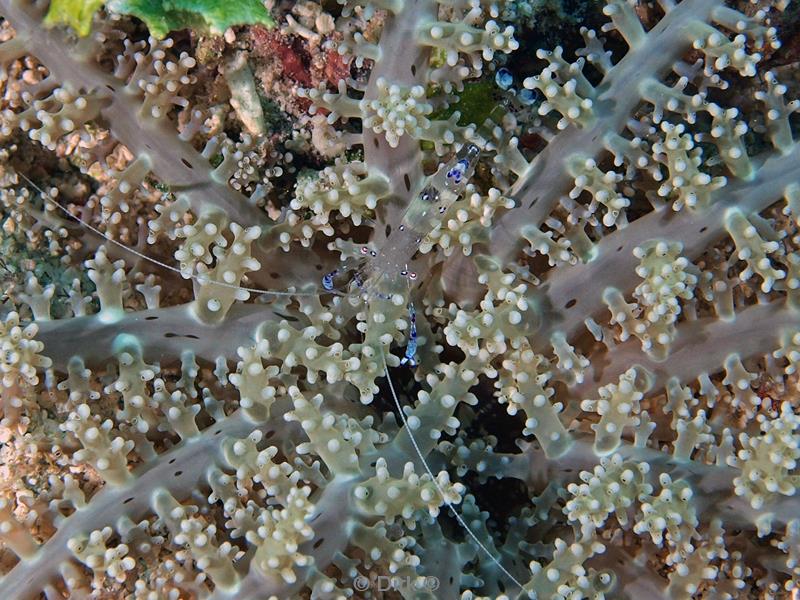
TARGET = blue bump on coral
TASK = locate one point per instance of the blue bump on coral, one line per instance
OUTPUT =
(504, 78)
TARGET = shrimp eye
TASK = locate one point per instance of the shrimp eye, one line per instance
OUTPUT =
(364, 250)
(425, 196)
(402, 227)
(373, 254)
(403, 273)
(412, 276)
(441, 210)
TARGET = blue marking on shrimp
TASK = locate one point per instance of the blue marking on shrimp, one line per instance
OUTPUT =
(458, 171)
(327, 280)
(410, 357)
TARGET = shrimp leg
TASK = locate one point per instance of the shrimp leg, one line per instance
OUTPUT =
(410, 357)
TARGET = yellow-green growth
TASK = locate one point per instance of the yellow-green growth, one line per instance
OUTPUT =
(163, 16)
(212, 16)
(73, 13)
(475, 103)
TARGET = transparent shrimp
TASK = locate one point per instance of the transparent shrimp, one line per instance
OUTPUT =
(383, 272)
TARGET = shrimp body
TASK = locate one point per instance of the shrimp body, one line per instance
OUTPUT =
(386, 271)
(441, 190)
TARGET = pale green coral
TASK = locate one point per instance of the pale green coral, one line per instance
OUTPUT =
(275, 446)
(769, 461)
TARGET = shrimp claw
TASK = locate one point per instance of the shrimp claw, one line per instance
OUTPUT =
(410, 357)
(327, 280)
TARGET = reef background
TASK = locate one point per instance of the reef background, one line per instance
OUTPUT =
(608, 317)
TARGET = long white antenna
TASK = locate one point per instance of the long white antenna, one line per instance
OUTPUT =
(449, 504)
(163, 265)
(202, 281)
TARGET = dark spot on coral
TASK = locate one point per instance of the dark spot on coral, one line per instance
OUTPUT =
(187, 163)
(319, 543)
(275, 275)
(171, 335)
(375, 142)
(571, 303)
(178, 473)
(287, 317)
(620, 248)
(315, 517)
(388, 230)
(127, 500)
(703, 229)
(218, 431)
(407, 182)
(191, 336)
(451, 580)
(111, 87)
(414, 70)
(534, 201)
(172, 460)
(318, 267)
(150, 318)
(269, 434)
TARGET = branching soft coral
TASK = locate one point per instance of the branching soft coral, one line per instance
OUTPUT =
(594, 293)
